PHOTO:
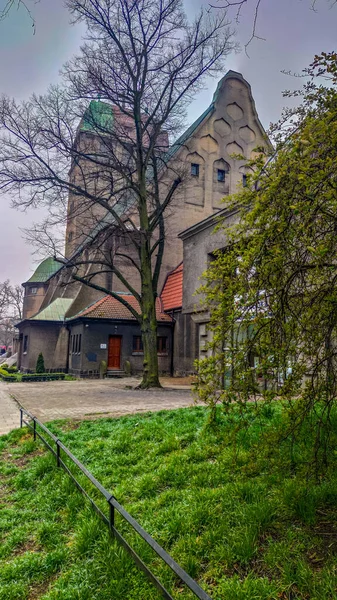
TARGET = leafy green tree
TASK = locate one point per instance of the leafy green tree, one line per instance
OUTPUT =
(40, 364)
(272, 291)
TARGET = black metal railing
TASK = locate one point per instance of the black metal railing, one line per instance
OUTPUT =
(113, 505)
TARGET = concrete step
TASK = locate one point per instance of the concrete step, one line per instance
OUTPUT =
(115, 373)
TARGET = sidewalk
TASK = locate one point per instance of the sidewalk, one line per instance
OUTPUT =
(9, 412)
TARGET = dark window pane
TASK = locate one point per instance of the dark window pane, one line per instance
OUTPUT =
(137, 345)
(79, 342)
(161, 344)
(25, 343)
(221, 175)
(244, 180)
(194, 169)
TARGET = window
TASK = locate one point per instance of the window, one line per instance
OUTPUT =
(70, 236)
(73, 347)
(25, 344)
(221, 175)
(244, 180)
(71, 207)
(33, 290)
(195, 169)
(79, 343)
(162, 344)
(70, 344)
(137, 345)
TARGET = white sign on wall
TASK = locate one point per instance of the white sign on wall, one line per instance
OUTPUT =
(103, 346)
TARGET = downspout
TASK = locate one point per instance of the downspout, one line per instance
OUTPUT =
(68, 349)
(172, 344)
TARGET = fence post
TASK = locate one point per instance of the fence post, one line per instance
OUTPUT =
(58, 453)
(111, 516)
(20, 417)
(34, 429)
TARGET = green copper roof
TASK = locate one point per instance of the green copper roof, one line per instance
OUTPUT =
(55, 311)
(98, 117)
(45, 270)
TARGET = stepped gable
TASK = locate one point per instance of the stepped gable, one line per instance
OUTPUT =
(110, 308)
(172, 292)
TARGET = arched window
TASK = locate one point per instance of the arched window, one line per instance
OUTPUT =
(221, 181)
(245, 172)
(220, 171)
(195, 183)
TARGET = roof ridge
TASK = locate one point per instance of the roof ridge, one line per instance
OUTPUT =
(86, 308)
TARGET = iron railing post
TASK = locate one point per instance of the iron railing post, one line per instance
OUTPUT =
(58, 453)
(113, 506)
(111, 516)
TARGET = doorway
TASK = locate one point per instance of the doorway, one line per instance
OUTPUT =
(114, 353)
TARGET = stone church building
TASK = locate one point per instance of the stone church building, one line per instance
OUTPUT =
(77, 327)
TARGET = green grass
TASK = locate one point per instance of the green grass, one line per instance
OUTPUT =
(236, 521)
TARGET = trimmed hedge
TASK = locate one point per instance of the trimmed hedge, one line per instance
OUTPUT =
(9, 369)
(42, 376)
(6, 376)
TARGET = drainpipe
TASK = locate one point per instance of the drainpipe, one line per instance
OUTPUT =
(172, 345)
(68, 349)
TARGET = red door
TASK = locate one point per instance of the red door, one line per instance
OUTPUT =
(114, 355)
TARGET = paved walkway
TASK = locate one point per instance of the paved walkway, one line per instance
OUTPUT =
(91, 399)
(9, 411)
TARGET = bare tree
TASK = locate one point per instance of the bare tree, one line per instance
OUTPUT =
(145, 61)
(11, 5)
(4, 298)
(11, 301)
(16, 294)
(239, 6)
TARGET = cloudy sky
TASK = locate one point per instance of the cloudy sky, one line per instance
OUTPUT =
(294, 33)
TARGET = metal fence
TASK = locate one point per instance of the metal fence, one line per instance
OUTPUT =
(113, 505)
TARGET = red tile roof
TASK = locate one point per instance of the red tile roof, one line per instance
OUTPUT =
(110, 308)
(172, 292)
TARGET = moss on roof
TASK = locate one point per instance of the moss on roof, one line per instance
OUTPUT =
(98, 117)
(45, 270)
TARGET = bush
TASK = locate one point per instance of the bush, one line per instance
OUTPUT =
(40, 364)
(42, 376)
(6, 376)
(10, 369)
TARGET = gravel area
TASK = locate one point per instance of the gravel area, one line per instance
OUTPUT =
(85, 399)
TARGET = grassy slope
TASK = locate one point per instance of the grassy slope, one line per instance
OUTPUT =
(242, 528)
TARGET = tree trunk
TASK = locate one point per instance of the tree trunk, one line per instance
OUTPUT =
(149, 337)
(149, 320)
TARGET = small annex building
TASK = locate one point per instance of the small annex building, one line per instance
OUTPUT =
(105, 331)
